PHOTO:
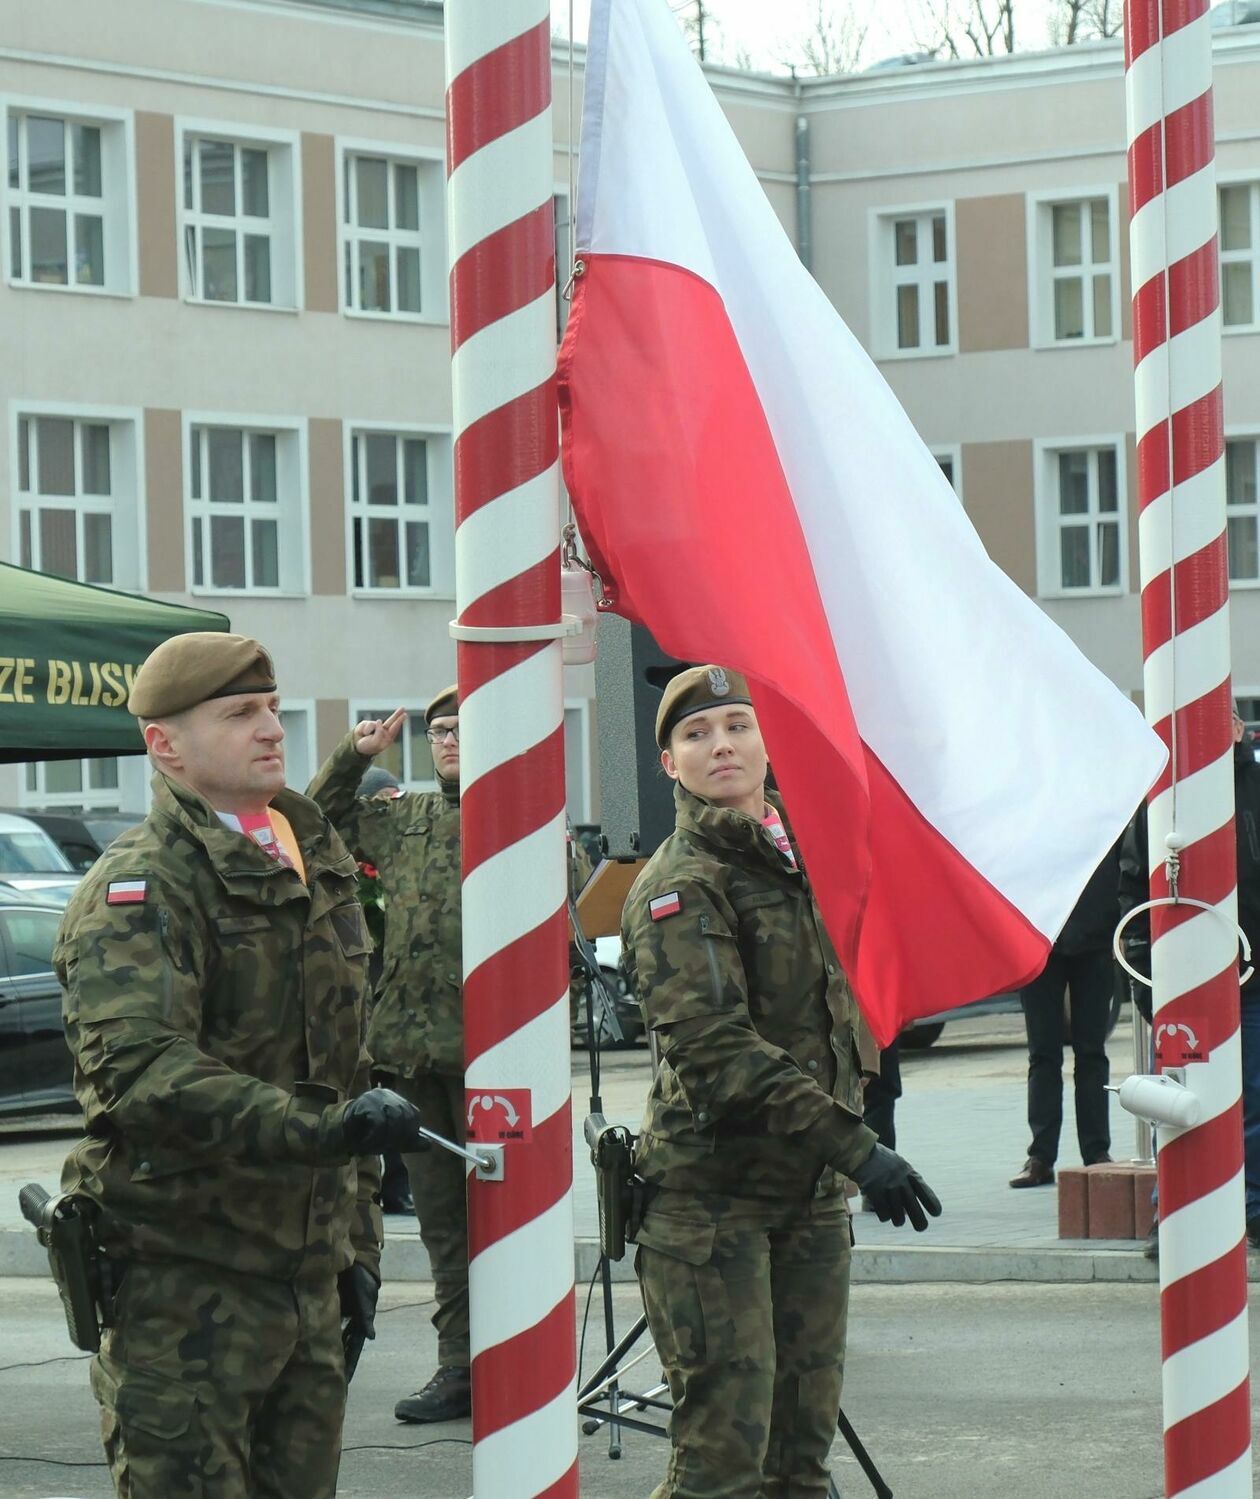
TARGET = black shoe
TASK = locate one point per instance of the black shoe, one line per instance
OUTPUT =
(1035, 1174)
(397, 1205)
(446, 1397)
(1150, 1249)
(1253, 1233)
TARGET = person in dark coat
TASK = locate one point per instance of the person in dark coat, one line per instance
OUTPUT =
(1135, 889)
(1081, 964)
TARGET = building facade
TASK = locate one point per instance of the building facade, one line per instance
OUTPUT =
(224, 330)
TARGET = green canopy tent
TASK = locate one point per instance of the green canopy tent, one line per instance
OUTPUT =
(68, 654)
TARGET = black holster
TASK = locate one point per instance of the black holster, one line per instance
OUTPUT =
(87, 1282)
(621, 1194)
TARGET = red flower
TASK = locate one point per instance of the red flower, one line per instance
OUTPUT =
(368, 871)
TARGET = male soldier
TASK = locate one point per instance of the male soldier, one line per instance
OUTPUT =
(213, 963)
(416, 1035)
(754, 1118)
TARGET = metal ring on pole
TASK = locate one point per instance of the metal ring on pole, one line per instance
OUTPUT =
(1180, 900)
(566, 625)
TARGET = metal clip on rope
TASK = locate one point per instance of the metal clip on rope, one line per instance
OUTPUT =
(1174, 843)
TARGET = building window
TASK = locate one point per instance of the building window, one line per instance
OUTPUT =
(389, 505)
(950, 461)
(577, 760)
(74, 785)
(1077, 280)
(1240, 254)
(1242, 509)
(245, 491)
(1083, 530)
(409, 757)
(238, 216)
(76, 497)
(915, 283)
(299, 767)
(68, 219)
(393, 244)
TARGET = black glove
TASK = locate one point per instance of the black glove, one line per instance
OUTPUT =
(895, 1189)
(357, 1289)
(380, 1120)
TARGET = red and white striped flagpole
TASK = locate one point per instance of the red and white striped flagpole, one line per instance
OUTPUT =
(1185, 630)
(516, 1017)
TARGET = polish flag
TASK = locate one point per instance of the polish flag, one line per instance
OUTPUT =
(753, 493)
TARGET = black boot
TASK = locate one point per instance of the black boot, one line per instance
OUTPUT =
(446, 1397)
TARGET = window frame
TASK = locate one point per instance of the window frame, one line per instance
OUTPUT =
(1046, 451)
(284, 203)
(367, 707)
(1039, 208)
(120, 229)
(441, 507)
(306, 707)
(582, 707)
(1249, 434)
(883, 279)
(953, 452)
(293, 454)
(128, 507)
(431, 191)
(1252, 180)
(86, 800)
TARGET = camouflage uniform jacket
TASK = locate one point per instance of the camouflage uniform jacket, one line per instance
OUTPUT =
(413, 840)
(417, 1022)
(759, 1089)
(210, 1024)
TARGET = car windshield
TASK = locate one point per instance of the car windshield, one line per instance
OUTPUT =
(32, 853)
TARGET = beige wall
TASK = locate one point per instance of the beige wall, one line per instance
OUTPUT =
(990, 253)
(164, 486)
(998, 494)
(155, 204)
(332, 721)
(319, 216)
(328, 513)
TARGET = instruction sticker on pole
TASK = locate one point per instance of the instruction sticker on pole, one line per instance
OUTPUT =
(1177, 1043)
(494, 1117)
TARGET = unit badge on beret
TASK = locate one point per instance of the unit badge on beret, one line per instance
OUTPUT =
(719, 683)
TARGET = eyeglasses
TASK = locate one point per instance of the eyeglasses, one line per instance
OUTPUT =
(436, 736)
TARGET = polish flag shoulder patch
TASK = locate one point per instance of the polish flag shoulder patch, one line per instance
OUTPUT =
(126, 892)
(665, 905)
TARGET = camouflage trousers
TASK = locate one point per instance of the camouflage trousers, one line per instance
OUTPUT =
(221, 1386)
(748, 1302)
(439, 1188)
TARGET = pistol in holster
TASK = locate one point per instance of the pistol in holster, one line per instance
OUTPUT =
(620, 1193)
(86, 1281)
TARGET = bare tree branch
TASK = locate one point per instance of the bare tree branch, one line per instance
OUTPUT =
(978, 27)
(833, 43)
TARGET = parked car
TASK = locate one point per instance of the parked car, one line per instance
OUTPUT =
(30, 860)
(35, 1065)
(84, 836)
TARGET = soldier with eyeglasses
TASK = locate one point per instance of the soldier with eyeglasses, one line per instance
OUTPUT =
(416, 1034)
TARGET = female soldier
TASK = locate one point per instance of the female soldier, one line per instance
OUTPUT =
(755, 1116)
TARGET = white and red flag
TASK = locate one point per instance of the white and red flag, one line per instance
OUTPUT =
(753, 493)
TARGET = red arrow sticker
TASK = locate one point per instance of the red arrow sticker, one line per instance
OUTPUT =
(494, 1115)
(1178, 1042)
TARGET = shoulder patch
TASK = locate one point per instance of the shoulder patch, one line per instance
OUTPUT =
(665, 905)
(126, 892)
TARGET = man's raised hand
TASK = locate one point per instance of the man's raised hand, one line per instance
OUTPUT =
(372, 735)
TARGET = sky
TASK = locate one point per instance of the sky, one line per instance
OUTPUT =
(769, 31)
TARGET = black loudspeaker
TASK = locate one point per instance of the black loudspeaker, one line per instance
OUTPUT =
(636, 796)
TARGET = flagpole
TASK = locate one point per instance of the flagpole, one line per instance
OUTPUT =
(516, 1024)
(1185, 634)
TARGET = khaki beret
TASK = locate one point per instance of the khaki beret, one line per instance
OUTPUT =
(444, 704)
(693, 691)
(190, 669)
